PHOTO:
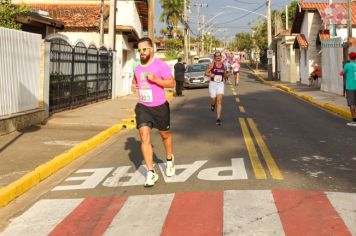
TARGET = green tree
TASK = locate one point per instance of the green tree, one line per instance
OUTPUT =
(291, 13)
(8, 14)
(243, 41)
(172, 12)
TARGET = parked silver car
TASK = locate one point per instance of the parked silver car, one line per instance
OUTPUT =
(194, 76)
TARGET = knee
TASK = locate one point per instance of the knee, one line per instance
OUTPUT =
(145, 139)
(166, 135)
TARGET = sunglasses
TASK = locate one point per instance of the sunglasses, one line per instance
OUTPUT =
(217, 55)
(143, 49)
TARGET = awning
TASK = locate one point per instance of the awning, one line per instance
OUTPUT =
(300, 42)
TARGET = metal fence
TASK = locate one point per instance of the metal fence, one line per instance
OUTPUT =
(78, 75)
(20, 56)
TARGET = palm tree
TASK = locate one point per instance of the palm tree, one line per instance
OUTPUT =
(172, 12)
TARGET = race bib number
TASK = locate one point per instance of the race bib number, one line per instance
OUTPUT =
(218, 78)
(146, 95)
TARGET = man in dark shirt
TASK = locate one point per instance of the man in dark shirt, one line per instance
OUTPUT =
(179, 70)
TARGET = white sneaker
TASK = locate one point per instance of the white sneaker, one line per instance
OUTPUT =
(151, 179)
(352, 123)
(170, 168)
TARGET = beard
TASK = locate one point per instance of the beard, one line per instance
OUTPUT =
(144, 58)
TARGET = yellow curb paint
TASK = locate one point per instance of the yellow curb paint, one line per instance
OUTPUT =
(340, 111)
(18, 187)
(242, 109)
(271, 164)
(255, 161)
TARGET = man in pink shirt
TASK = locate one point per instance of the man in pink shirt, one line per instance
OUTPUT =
(152, 109)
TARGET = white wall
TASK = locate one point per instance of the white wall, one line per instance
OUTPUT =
(20, 57)
(331, 66)
(127, 14)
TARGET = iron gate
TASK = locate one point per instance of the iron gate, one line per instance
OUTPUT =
(78, 75)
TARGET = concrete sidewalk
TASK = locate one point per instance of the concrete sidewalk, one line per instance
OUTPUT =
(329, 101)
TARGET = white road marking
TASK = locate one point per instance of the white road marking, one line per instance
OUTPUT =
(135, 178)
(236, 171)
(141, 215)
(188, 171)
(251, 212)
(345, 206)
(42, 217)
(89, 182)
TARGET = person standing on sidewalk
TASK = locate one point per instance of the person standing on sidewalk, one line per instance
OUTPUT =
(179, 70)
(349, 71)
(217, 73)
(152, 109)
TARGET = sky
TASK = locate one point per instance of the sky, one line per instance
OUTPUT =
(226, 19)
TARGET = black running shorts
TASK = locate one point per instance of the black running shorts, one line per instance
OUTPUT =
(351, 97)
(154, 117)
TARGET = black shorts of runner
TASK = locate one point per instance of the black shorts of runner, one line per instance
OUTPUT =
(236, 72)
(351, 97)
(154, 117)
(314, 77)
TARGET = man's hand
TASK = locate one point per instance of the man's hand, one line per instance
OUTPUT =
(150, 77)
(342, 73)
(134, 87)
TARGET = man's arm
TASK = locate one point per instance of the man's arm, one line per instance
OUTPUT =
(208, 71)
(165, 83)
(134, 86)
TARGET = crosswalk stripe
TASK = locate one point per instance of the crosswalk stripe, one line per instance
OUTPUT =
(91, 217)
(42, 217)
(308, 213)
(232, 212)
(345, 205)
(251, 212)
(141, 215)
(195, 214)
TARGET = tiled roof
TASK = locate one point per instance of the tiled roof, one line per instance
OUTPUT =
(74, 15)
(320, 6)
(302, 41)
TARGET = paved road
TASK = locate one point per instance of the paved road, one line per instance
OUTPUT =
(277, 166)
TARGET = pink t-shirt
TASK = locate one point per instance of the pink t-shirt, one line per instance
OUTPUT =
(151, 94)
(236, 66)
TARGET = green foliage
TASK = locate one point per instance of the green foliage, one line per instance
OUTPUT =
(243, 41)
(291, 13)
(173, 48)
(8, 14)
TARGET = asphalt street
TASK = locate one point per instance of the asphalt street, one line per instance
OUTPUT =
(271, 147)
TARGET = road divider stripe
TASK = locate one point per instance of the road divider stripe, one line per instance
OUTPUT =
(271, 164)
(237, 99)
(242, 109)
(195, 214)
(308, 213)
(251, 149)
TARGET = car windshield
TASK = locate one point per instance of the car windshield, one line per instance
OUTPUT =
(197, 68)
(204, 61)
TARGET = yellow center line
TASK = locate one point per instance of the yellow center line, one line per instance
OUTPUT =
(256, 164)
(237, 99)
(234, 93)
(242, 109)
(272, 166)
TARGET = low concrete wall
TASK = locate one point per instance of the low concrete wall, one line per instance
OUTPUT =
(21, 120)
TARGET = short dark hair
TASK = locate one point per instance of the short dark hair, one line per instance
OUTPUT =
(179, 59)
(146, 39)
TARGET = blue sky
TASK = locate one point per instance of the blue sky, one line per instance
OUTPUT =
(230, 20)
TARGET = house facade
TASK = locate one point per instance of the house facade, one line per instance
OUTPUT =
(81, 20)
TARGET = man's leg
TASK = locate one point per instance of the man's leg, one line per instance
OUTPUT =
(167, 142)
(146, 147)
(353, 112)
(177, 88)
(218, 106)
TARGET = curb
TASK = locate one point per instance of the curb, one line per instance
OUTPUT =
(26, 182)
(330, 107)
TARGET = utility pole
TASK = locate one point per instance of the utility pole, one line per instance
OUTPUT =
(185, 19)
(151, 19)
(112, 25)
(202, 36)
(269, 32)
(349, 26)
(101, 40)
(198, 6)
(287, 17)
